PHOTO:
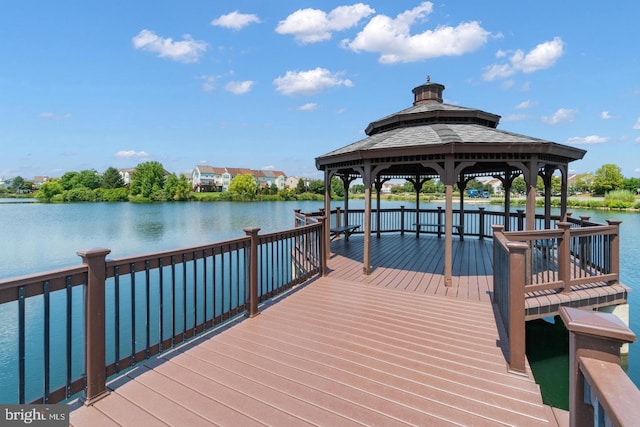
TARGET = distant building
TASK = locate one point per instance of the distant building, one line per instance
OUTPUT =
(125, 174)
(38, 181)
(292, 182)
(209, 178)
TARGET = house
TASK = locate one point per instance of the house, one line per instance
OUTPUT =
(125, 174)
(209, 178)
(38, 181)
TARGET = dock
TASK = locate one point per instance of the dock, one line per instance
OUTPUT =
(395, 347)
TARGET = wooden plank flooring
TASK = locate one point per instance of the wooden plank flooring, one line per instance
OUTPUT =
(392, 348)
(417, 264)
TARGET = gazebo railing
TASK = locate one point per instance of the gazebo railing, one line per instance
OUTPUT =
(476, 222)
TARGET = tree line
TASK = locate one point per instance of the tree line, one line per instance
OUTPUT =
(150, 182)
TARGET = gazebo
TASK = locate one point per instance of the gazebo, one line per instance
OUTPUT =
(434, 140)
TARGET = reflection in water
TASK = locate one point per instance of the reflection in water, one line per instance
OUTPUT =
(150, 230)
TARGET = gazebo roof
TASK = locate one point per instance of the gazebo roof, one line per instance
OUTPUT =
(431, 128)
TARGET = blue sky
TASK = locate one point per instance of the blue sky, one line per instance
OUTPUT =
(272, 85)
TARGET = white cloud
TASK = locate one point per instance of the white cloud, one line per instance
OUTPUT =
(309, 82)
(268, 168)
(515, 117)
(187, 50)
(524, 105)
(540, 57)
(605, 115)
(314, 25)
(50, 115)
(638, 139)
(392, 38)
(562, 115)
(209, 83)
(130, 154)
(308, 107)
(637, 124)
(235, 20)
(239, 87)
(591, 139)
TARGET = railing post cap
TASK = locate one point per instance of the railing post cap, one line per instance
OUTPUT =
(563, 224)
(614, 221)
(498, 227)
(600, 324)
(251, 230)
(96, 252)
(517, 246)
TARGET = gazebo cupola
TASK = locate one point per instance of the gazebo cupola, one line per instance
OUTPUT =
(454, 144)
(429, 92)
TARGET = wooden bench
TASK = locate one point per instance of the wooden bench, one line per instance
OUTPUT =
(440, 228)
(347, 230)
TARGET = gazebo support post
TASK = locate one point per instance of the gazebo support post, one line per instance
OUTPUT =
(564, 191)
(328, 174)
(449, 173)
(531, 178)
(367, 181)
(379, 182)
(547, 178)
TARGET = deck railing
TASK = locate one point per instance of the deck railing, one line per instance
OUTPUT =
(77, 326)
(600, 392)
(542, 260)
(476, 222)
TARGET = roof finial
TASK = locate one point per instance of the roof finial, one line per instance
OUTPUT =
(428, 78)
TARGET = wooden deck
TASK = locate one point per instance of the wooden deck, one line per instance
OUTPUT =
(393, 348)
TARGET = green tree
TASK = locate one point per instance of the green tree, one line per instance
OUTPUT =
(519, 185)
(181, 189)
(244, 186)
(49, 189)
(300, 186)
(428, 187)
(16, 184)
(69, 180)
(112, 178)
(337, 187)
(583, 183)
(631, 184)
(89, 179)
(274, 188)
(357, 189)
(147, 179)
(316, 186)
(607, 178)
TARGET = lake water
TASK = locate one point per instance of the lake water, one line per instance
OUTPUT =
(37, 237)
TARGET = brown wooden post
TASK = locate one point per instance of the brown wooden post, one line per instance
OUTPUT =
(595, 335)
(564, 256)
(296, 214)
(95, 340)
(252, 309)
(520, 219)
(323, 253)
(584, 244)
(338, 218)
(481, 223)
(614, 250)
(402, 220)
(516, 323)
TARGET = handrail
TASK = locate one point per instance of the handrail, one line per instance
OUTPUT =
(600, 392)
(475, 222)
(138, 306)
(546, 260)
(611, 393)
